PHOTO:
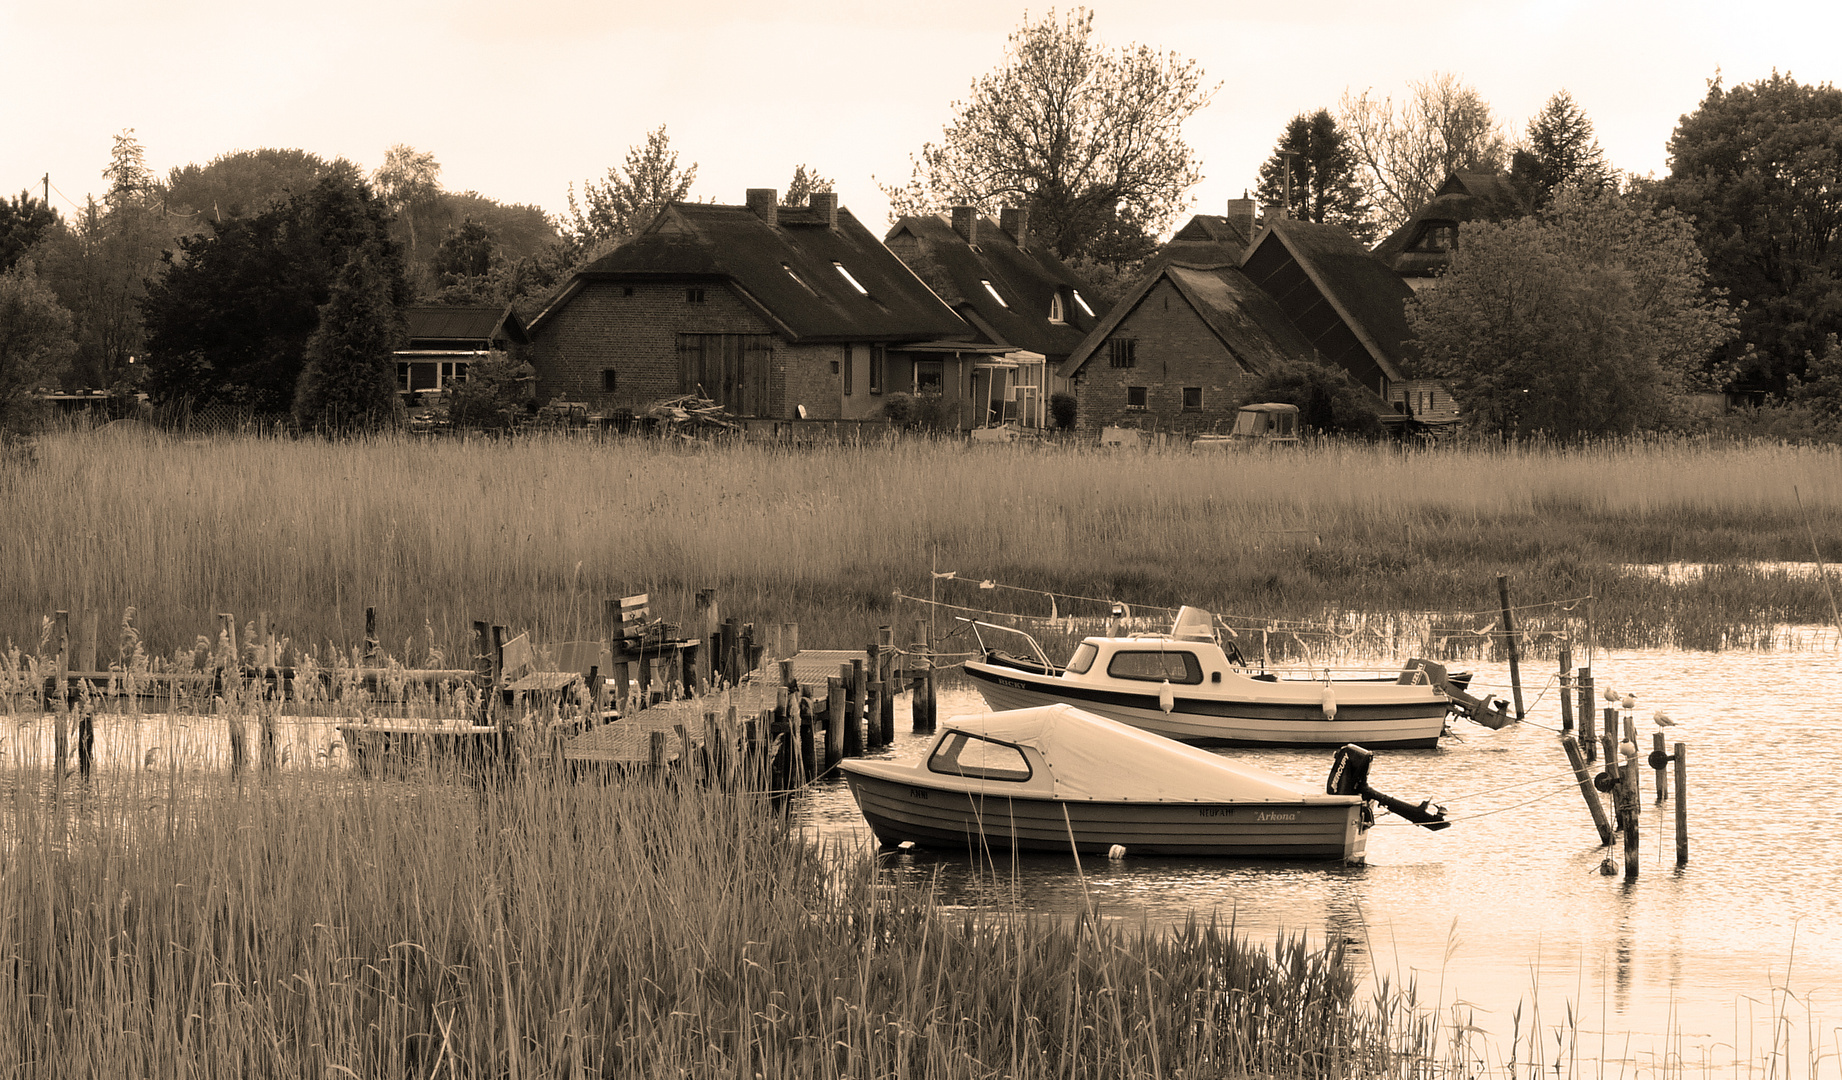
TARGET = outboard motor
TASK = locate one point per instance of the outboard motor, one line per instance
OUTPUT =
(1349, 775)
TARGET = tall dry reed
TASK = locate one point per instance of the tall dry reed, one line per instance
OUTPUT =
(536, 533)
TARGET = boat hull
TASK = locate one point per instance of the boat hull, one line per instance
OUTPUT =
(899, 812)
(1394, 725)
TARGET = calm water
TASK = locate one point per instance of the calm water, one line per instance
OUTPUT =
(1720, 961)
(1508, 906)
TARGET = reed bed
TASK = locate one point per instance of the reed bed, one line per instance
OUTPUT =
(535, 533)
(167, 924)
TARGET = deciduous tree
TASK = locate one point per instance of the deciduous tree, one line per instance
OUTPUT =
(246, 182)
(1088, 138)
(1328, 400)
(1588, 319)
(626, 201)
(35, 341)
(1759, 169)
(1325, 183)
(469, 268)
(1407, 150)
(409, 182)
(801, 188)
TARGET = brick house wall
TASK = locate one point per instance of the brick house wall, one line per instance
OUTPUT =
(631, 331)
(1173, 349)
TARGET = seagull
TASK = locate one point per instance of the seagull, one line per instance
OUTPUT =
(1662, 719)
(1611, 694)
(1629, 701)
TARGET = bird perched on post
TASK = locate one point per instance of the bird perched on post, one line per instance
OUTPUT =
(1661, 719)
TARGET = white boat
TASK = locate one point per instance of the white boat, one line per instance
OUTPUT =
(1186, 686)
(1057, 778)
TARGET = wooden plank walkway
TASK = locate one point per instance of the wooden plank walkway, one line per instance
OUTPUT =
(628, 741)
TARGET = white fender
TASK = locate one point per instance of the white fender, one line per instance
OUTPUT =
(1329, 701)
(1166, 699)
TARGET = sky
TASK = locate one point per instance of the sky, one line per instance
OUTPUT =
(519, 101)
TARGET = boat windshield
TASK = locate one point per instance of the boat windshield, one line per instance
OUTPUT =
(960, 754)
(1082, 659)
(1178, 666)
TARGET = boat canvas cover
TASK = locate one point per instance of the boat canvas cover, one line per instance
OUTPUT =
(1092, 757)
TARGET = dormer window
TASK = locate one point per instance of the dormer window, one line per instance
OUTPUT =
(994, 293)
(854, 283)
(1440, 236)
(1055, 309)
(1081, 303)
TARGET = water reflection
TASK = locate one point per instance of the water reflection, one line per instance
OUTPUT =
(1509, 904)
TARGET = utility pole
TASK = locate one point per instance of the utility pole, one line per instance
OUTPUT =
(1285, 206)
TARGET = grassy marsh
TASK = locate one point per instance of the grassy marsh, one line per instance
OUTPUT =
(534, 533)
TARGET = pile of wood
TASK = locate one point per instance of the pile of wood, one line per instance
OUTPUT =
(691, 416)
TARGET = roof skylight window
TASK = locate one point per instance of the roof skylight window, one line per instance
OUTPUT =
(1083, 303)
(994, 293)
(852, 280)
(794, 274)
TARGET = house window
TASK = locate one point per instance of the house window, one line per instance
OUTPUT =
(609, 381)
(1136, 396)
(1055, 309)
(1082, 304)
(1439, 236)
(879, 361)
(1192, 397)
(1123, 352)
(994, 293)
(693, 296)
(847, 365)
(846, 274)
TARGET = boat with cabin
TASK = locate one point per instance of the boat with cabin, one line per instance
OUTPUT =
(1055, 778)
(1190, 685)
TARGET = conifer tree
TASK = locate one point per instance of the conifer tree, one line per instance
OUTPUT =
(1325, 184)
(348, 383)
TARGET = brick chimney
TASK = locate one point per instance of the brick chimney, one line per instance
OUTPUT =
(765, 202)
(1015, 220)
(1241, 215)
(966, 223)
(825, 207)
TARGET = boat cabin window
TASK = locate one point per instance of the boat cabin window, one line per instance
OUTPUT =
(960, 754)
(1082, 659)
(1156, 666)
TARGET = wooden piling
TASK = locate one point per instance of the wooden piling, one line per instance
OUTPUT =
(1659, 760)
(708, 622)
(1509, 643)
(873, 695)
(227, 671)
(803, 710)
(1631, 821)
(886, 716)
(1566, 663)
(789, 639)
(834, 722)
(655, 752)
(921, 667)
(1591, 794)
(853, 708)
(1681, 756)
(60, 735)
(730, 647)
(713, 749)
(1587, 740)
(1630, 739)
(497, 655)
(370, 637)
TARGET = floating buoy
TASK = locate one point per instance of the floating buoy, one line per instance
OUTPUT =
(1329, 702)
(1662, 719)
(1167, 700)
(1627, 750)
(1608, 867)
(1117, 851)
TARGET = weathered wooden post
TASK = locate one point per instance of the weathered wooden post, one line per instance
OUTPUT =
(1509, 643)
(1628, 746)
(789, 638)
(1659, 760)
(709, 621)
(1587, 740)
(886, 718)
(853, 707)
(1631, 819)
(873, 696)
(807, 750)
(482, 669)
(1591, 794)
(227, 672)
(370, 637)
(730, 648)
(713, 746)
(834, 722)
(1566, 661)
(60, 735)
(498, 679)
(86, 665)
(655, 752)
(1681, 756)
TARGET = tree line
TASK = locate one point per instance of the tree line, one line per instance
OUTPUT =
(272, 280)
